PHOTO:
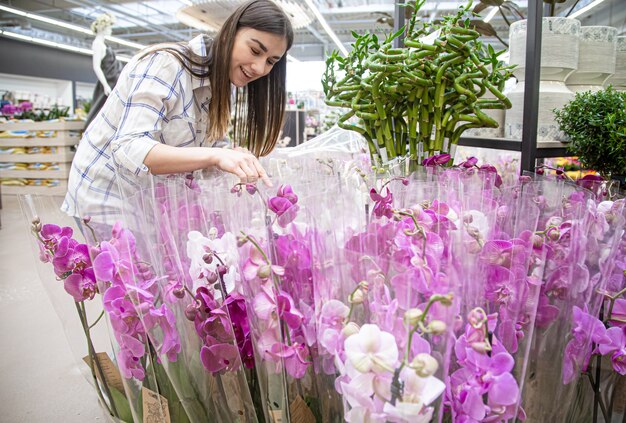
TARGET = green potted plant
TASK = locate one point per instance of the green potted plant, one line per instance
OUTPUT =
(595, 123)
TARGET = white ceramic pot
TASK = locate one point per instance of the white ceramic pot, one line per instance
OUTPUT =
(596, 58)
(552, 95)
(559, 48)
(618, 80)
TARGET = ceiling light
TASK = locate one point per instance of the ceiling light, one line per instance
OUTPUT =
(68, 25)
(585, 9)
(327, 28)
(186, 2)
(48, 43)
(491, 14)
(54, 44)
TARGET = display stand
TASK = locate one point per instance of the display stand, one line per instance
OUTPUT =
(67, 135)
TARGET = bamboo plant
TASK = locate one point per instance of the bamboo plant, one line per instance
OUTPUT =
(417, 100)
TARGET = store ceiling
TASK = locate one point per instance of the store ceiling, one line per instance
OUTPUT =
(153, 21)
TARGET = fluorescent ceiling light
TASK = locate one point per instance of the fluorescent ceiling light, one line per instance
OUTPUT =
(46, 42)
(491, 14)
(585, 9)
(327, 28)
(68, 26)
(54, 44)
(186, 2)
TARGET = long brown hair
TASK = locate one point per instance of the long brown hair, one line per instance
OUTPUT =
(260, 106)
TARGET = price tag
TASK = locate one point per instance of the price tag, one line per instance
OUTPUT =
(111, 374)
(429, 39)
(300, 412)
(154, 407)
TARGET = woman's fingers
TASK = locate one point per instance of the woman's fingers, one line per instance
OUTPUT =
(261, 172)
(249, 170)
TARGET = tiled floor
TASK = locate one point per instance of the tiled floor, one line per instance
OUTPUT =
(39, 379)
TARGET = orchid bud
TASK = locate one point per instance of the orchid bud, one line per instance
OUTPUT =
(424, 365)
(36, 220)
(554, 221)
(86, 219)
(213, 233)
(540, 171)
(357, 297)
(235, 189)
(37, 227)
(480, 347)
(179, 292)
(405, 181)
(473, 231)
(251, 188)
(412, 316)
(264, 272)
(364, 285)
(211, 276)
(468, 218)
(477, 317)
(221, 269)
(445, 300)
(537, 241)
(437, 327)
(191, 312)
(554, 234)
(207, 258)
(241, 240)
(350, 329)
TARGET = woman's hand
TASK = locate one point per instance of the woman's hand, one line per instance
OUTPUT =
(240, 162)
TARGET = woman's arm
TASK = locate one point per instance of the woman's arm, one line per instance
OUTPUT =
(164, 159)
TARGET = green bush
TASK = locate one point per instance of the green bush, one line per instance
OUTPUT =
(595, 123)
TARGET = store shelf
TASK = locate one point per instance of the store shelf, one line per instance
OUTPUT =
(63, 156)
(544, 148)
(62, 139)
(67, 134)
(60, 189)
(43, 126)
(62, 173)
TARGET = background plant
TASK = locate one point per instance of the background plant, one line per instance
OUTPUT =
(595, 123)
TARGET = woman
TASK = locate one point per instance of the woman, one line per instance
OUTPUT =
(178, 95)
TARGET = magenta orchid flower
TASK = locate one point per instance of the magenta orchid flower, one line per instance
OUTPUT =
(616, 348)
(383, 205)
(437, 160)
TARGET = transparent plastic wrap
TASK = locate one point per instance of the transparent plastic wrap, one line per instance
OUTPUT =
(65, 267)
(188, 316)
(574, 250)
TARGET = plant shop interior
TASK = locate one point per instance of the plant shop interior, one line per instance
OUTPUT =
(264, 211)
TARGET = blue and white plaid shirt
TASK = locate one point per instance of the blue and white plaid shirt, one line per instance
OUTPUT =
(156, 100)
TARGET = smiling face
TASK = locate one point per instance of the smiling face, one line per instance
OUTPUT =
(254, 55)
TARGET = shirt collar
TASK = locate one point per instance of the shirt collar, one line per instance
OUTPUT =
(198, 45)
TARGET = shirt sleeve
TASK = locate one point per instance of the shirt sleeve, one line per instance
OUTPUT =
(153, 91)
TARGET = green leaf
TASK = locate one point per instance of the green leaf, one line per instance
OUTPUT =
(121, 405)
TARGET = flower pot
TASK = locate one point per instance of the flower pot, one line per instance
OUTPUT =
(552, 95)
(559, 48)
(559, 58)
(596, 58)
(618, 80)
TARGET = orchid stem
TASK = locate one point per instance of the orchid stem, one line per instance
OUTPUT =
(93, 359)
(256, 244)
(97, 320)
